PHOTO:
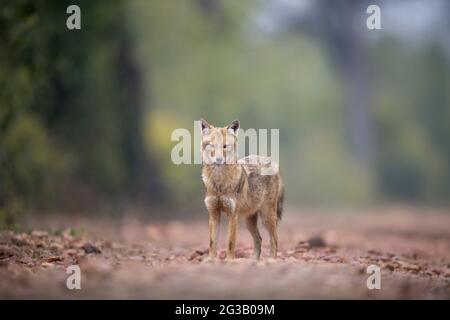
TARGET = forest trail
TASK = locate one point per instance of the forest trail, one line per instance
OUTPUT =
(321, 255)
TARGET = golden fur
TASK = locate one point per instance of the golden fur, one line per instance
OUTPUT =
(238, 189)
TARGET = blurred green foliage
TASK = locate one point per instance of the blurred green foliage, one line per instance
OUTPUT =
(413, 118)
(214, 64)
(88, 114)
(69, 134)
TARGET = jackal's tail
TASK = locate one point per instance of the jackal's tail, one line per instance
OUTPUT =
(280, 204)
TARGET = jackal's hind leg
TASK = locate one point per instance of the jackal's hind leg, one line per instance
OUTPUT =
(252, 226)
(270, 222)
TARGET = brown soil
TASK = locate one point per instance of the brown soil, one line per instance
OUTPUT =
(322, 255)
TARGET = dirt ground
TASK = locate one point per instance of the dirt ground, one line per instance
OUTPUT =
(322, 254)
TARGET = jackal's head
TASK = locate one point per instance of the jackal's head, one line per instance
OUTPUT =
(219, 145)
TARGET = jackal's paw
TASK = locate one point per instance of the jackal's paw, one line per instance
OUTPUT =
(231, 256)
(209, 259)
(271, 260)
(256, 256)
(237, 261)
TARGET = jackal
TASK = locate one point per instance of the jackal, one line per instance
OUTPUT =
(249, 188)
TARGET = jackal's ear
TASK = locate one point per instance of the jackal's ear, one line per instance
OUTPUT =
(204, 126)
(233, 127)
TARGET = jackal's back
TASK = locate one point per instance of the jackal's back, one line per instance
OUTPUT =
(264, 181)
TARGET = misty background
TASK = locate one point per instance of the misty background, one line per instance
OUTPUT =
(86, 116)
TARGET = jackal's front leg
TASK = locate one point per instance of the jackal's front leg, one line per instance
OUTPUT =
(214, 226)
(232, 227)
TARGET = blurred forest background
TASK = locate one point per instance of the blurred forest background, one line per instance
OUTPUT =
(86, 115)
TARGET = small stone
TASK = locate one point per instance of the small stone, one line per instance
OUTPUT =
(71, 252)
(25, 260)
(302, 244)
(56, 246)
(193, 256)
(390, 267)
(54, 259)
(39, 234)
(409, 266)
(241, 254)
(202, 251)
(90, 248)
(137, 258)
(316, 242)
(47, 265)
